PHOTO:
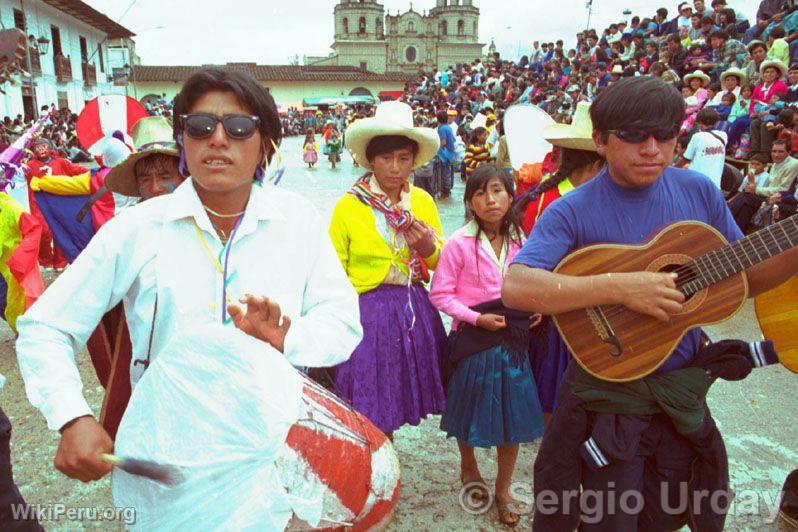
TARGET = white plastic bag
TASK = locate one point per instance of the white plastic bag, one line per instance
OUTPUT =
(218, 405)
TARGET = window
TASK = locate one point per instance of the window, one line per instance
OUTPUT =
(460, 27)
(362, 25)
(444, 28)
(346, 25)
(19, 20)
(102, 59)
(364, 66)
(411, 27)
(410, 54)
(84, 50)
(380, 31)
(56, 41)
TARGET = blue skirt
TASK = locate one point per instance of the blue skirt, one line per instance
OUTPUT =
(394, 375)
(492, 400)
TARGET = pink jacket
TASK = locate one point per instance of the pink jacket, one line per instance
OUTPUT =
(466, 276)
(762, 96)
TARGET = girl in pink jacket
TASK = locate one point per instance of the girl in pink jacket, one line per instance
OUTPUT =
(491, 396)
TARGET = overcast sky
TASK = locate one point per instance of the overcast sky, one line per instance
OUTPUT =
(193, 32)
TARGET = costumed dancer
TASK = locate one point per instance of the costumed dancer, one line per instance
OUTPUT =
(190, 258)
(491, 398)
(387, 235)
(46, 162)
(605, 437)
(310, 149)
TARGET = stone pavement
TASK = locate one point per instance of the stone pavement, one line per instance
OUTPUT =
(757, 417)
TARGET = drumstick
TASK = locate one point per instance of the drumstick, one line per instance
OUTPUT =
(164, 474)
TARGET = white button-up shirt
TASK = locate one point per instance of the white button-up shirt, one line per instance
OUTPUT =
(281, 250)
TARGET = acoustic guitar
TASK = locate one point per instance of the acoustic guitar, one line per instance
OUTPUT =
(615, 343)
(777, 312)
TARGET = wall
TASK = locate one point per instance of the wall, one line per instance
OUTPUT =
(286, 94)
(40, 17)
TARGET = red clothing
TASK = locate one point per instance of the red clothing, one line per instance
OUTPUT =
(103, 210)
(49, 253)
(763, 96)
(535, 209)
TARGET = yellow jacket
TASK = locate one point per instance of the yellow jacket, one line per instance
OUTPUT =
(364, 253)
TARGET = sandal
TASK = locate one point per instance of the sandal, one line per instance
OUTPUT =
(478, 488)
(506, 516)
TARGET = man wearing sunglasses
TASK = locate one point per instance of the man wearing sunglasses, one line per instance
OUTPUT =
(636, 122)
(220, 240)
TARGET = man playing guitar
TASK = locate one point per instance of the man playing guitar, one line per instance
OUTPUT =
(636, 123)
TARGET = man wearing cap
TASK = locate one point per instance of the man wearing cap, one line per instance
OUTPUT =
(685, 13)
(46, 162)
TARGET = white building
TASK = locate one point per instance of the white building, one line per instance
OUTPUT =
(410, 42)
(76, 67)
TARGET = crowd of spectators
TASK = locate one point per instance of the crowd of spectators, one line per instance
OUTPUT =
(59, 129)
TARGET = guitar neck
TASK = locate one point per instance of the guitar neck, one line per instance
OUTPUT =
(738, 256)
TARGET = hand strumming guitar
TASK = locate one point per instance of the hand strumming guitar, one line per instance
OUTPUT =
(650, 293)
(261, 320)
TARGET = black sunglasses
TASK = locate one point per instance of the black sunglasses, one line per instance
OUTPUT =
(634, 136)
(201, 125)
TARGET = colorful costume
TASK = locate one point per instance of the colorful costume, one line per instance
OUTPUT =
(393, 377)
(311, 153)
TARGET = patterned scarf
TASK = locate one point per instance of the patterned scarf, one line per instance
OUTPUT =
(397, 218)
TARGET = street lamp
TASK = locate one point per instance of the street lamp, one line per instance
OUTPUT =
(626, 13)
(42, 45)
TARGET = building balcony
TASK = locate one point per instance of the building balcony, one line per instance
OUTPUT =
(63, 68)
(89, 74)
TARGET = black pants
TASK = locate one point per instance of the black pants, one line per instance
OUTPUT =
(9, 494)
(743, 207)
(761, 137)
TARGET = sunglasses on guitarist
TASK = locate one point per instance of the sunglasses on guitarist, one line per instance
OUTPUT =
(637, 135)
(238, 127)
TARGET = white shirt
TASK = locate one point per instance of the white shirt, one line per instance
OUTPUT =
(707, 154)
(281, 250)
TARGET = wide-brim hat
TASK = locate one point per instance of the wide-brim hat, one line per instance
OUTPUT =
(578, 135)
(151, 135)
(774, 63)
(391, 118)
(734, 71)
(617, 69)
(698, 75)
(754, 43)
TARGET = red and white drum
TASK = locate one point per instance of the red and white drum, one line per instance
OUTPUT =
(337, 456)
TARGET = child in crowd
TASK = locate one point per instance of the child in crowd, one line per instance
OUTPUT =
(786, 128)
(724, 110)
(681, 147)
(334, 147)
(742, 104)
(491, 399)
(478, 151)
(778, 48)
(311, 149)
(757, 174)
(696, 57)
(770, 111)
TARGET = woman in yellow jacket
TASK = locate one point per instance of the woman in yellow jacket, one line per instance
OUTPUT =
(388, 236)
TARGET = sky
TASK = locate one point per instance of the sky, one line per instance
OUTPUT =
(197, 32)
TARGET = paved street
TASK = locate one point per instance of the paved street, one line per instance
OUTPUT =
(757, 417)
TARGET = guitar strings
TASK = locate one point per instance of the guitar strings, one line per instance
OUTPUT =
(689, 271)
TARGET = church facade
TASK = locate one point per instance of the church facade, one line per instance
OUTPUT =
(410, 42)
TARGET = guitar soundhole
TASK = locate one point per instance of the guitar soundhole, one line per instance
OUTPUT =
(686, 274)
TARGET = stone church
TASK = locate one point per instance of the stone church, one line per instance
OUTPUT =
(410, 42)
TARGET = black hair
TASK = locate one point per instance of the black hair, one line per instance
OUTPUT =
(160, 161)
(644, 102)
(384, 144)
(475, 134)
(778, 32)
(731, 95)
(783, 142)
(683, 141)
(443, 117)
(760, 158)
(708, 116)
(571, 160)
(510, 226)
(786, 117)
(247, 90)
(719, 34)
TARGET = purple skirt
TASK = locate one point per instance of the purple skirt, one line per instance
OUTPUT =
(394, 375)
